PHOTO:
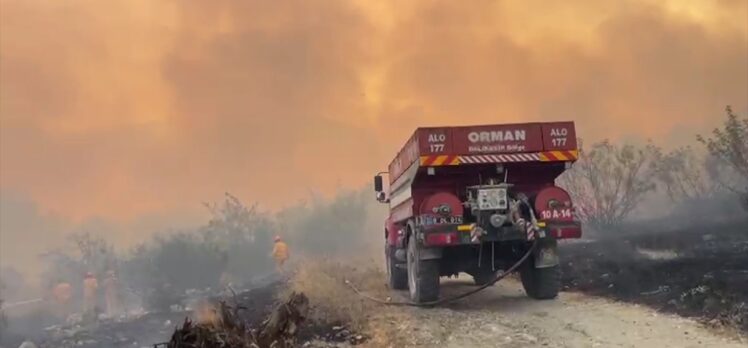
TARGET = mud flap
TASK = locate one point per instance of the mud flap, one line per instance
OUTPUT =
(546, 254)
(430, 254)
(426, 253)
(400, 255)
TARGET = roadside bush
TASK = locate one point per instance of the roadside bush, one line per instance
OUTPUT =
(233, 246)
(85, 252)
(162, 270)
(690, 182)
(608, 181)
(729, 145)
(684, 175)
(183, 260)
(347, 224)
(244, 234)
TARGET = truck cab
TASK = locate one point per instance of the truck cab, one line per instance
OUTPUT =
(474, 199)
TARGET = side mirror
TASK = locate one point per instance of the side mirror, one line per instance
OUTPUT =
(382, 197)
(379, 189)
(378, 186)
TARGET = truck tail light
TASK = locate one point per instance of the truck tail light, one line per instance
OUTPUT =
(433, 239)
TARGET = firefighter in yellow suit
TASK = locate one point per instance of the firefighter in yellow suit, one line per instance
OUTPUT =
(111, 294)
(90, 296)
(62, 293)
(280, 253)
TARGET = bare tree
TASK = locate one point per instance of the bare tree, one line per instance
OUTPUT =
(94, 252)
(684, 175)
(729, 145)
(243, 233)
(233, 247)
(608, 182)
(232, 219)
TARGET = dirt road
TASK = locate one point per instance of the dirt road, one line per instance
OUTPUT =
(502, 316)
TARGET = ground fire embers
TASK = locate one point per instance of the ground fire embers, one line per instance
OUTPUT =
(225, 329)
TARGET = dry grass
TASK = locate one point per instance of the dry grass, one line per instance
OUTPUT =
(333, 302)
(323, 281)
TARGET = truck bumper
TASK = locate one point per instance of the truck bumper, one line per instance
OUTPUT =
(450, 235)
(566, 230)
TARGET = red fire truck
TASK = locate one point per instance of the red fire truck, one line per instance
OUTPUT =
(474, 199)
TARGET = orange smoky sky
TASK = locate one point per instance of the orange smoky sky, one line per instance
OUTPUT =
(121, 109)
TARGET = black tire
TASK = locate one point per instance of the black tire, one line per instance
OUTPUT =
(483, 277)
(423, 275)
(398, 276)
(540, 283)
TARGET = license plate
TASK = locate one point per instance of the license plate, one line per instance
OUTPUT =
(556, 214)
(428, 220)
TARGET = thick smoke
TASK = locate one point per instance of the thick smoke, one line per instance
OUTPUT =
(137, 107)
(118, 118)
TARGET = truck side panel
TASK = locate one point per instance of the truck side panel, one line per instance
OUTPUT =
(435, 141)
(559, 136)
(404, 158)
(484, 139)
(513, 138)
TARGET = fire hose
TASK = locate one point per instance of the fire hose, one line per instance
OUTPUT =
(20, 303)
(501, 276)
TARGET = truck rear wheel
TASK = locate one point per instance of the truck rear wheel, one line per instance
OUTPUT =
(423, 275)
(397, 274)
(540, 283)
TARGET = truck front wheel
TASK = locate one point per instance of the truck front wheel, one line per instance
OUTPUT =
(540, 283)
(397, 273)
(423, 275)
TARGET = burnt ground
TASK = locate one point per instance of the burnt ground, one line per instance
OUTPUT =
(257, 304)
(698, 271)
(157, 327)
